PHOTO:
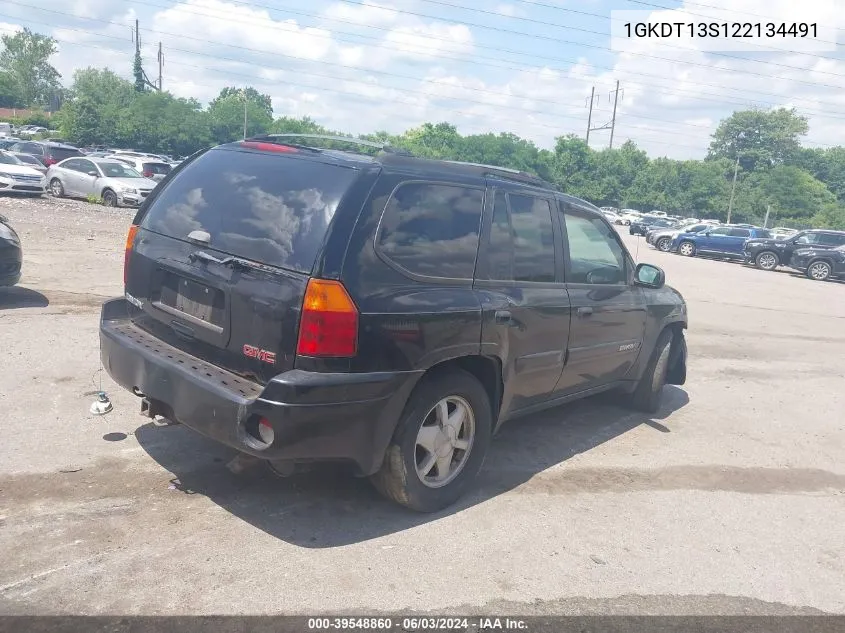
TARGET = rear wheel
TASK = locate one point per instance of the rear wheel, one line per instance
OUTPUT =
(649, 390)
(819, 270)
(687, 249)
(56, 188)
(109, 198)
(766, 260)
(664, 244)
(439, 444)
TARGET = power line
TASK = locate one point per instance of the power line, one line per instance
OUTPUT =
(275, 26)
(559, 41)
(504, 50)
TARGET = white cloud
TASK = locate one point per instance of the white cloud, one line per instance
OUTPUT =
(425, 41)
(367, 14)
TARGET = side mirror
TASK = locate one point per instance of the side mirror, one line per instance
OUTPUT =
(649, 276)
(93, 173)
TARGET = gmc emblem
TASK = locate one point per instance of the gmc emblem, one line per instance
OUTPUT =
(250, 351)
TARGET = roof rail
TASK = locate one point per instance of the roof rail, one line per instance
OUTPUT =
(505, 173)
(385, 147)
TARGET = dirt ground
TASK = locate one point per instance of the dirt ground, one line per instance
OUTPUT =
(729, 501)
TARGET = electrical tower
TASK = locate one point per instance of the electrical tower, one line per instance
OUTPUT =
(607, 126)
(141, 77)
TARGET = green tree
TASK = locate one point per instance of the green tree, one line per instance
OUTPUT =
(226, 113)
(26, 58)
(793, 193)
(290, 125)
(10, 92)
(138, 72)
(759, 138)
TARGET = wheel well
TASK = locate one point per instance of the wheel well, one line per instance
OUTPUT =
(677, 330)
(106, 189)
(486, 369)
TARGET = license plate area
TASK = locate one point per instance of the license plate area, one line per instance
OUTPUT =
(196, 302)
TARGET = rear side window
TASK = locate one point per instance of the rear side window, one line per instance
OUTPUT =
(432, 229)
(743, 233)
(267, 208)
(832, 239)
(533, 238)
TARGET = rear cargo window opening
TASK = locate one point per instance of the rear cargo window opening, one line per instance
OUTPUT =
(432, 229)
(274, 209)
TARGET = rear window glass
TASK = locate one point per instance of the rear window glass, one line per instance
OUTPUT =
(432, 229)
(266, 208)
(60, 153)
(157, 168)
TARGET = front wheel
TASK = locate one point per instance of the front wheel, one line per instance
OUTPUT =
(439, 444)
(819, 270)
(109, 198)
(56, 188)
(687, 249)
(766, 260)
(664, 244)
(649, 390)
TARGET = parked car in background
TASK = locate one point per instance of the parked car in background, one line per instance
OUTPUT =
(659, 214)
(629, 215)
(711, 222)
(6, 143)
(342, 337)
(768, 254)
(661, 238)
(611, 216)
(30, 161)
(781, 232)
(16, 177)
(642, 226)
(31, 130)
(724, 241)
(148, 167)
(11, 254)
(115, 182)
(820, 264)
(47, 153)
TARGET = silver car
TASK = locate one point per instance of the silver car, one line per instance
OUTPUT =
(113, 181)
(30, 161)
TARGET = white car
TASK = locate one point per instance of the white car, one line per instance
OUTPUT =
(16, 177)
(611, 216)
(152, 168)
(628, 216)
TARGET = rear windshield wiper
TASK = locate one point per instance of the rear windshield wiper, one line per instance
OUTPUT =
(232, 261)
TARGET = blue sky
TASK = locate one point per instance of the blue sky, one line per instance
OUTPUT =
(522, 66)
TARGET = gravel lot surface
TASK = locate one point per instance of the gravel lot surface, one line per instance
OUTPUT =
(730, 501)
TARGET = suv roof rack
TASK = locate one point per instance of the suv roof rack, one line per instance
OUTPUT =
(384, 147)
(505, 173)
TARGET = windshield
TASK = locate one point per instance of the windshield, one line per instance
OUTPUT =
(118, 170)
(8, 159)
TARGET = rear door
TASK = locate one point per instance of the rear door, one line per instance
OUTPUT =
(525, 306)
(608, 310)
(71, 176)
(735, 241)
(268, 210)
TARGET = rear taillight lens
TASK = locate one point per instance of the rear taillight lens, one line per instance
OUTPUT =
(49, 160)
(148, 174)
(130, 243)
(329, 322)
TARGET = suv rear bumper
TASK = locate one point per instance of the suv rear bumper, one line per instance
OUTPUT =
(315, 416)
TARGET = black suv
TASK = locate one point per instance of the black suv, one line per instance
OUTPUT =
(768, 254)
(303, 304)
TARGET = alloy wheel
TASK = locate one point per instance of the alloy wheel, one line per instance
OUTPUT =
(444, 441)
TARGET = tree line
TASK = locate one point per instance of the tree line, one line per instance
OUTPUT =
(801, 186)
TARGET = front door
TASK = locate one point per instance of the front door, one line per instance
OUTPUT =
(735, 241)
(608, 310)
(714, 241)
(524, 302)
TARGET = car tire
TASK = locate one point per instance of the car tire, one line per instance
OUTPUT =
(109, 198)
(406, 472)
(648, 393)
(819, 270)
(766, 260)
(57, 188)
(664, 244)
(686, 248)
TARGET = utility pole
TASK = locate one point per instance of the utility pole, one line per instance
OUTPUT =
(160, 64)
(733, 189)
(766, 220)
(606, 126)
(590, 115)
(243, 92)
(613, 120)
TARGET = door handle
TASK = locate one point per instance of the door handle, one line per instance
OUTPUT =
(584, 311)
(503, 316)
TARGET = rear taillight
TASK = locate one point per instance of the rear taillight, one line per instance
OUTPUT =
(130, 243)
(329, 322)
(269, 147)
(49, 160)
(148, 174)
